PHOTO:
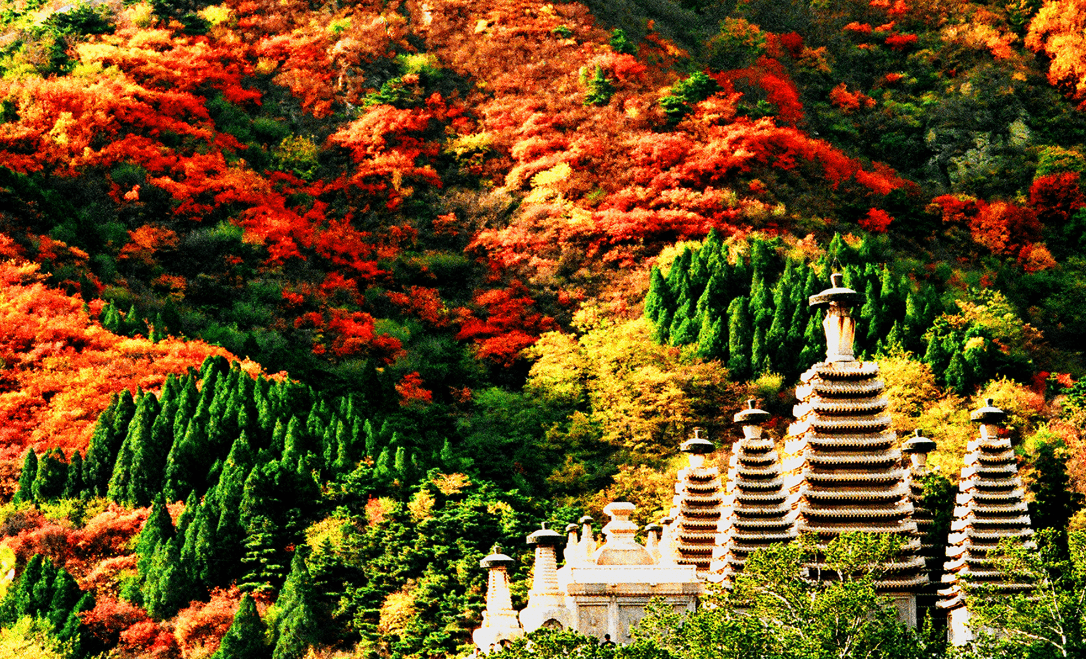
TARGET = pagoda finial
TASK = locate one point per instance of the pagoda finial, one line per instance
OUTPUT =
(990, 419)
(696, 447)
(839, 325)
(918, 448)
(751, 420)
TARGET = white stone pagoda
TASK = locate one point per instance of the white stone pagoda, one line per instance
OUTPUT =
(991, 506)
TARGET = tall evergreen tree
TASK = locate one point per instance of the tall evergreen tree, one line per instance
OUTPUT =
(73, 485)
(169, 586)
(814, 342)
(740, 338)
(712, 339)
(126, 466)
(157, 529)
(27, 476)
(759, 353)
(51, 477)
(294, 620)
(685, 331)
(246, 637)
(105, 443)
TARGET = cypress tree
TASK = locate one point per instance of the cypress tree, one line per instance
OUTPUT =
(957, 378)
(105, 443)
(714, 299)
(659, 296)
(198, 552)
(157, 529)
(372, 443)
(383, 468)
(111, 318)
(73, 486)
(934, 356)
(814, 341)
(915, 323)
(51, 477)
(229, 532)
(294, 621)
(246, 637)
(139, 432)
(296, 442)
(65, 595)
(870, 315)
(169, 585)
(761, 304)
(759, 353)
(186, 463)
(894, 341)
(27, 477)
(712, 341)
(686, 332)
(279, 436)
(740, 337)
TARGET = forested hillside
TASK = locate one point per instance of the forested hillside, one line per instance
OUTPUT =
(306, 305)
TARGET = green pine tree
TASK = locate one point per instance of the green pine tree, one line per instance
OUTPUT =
(712, 340)
(956, 376)
(740, 337)
(294, 621)
(27, 477)
(51, 477)
(659, 296)
(759, 353)
(246, 637)
(814, 342)
(73, 485)
(105, 443)
(157, 529)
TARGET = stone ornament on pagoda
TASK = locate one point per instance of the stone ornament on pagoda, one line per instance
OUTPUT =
(697, 506)
(990, 506)
(499, 619)
(756, 512)
(842, 472)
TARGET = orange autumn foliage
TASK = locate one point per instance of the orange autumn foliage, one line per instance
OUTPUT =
(1059, 31)
(62, 367)
(200, 627)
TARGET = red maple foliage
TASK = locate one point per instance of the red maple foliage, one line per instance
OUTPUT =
(1056, 197)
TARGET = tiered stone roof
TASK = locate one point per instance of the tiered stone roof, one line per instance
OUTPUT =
(697, 507)
(843, 472)
(757, 514)
(990, 506)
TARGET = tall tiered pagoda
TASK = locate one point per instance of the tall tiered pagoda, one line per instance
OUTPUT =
(756, 512)
(697, 506)
(991, 506)
(843, 473)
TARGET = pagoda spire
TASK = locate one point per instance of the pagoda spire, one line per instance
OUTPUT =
(755, 499)
(839, 325)
(991, 506)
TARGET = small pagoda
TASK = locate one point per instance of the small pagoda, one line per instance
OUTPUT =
(990, 506)
(500, 622)
(697, 506)
(932, 548)
(757, 514)
(843, 473)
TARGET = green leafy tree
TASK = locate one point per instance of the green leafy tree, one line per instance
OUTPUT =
(1047, 620)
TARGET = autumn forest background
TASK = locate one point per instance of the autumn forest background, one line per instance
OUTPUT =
(305, 304)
